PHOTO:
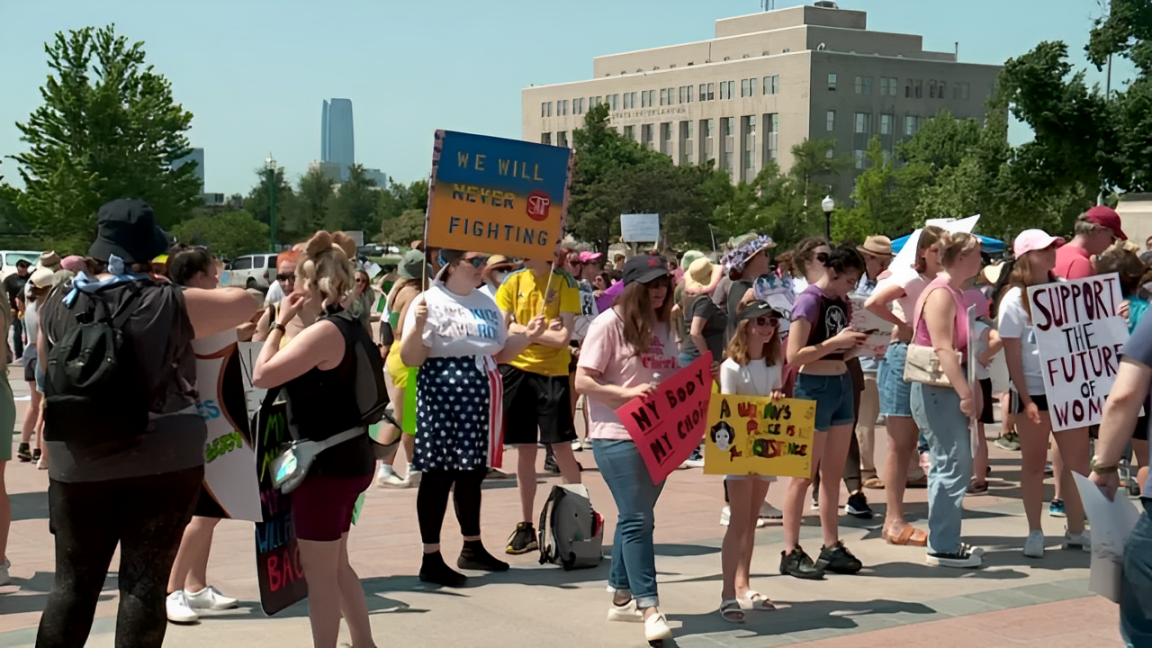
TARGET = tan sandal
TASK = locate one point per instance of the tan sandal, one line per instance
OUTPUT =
(874, 483)
(908, 537)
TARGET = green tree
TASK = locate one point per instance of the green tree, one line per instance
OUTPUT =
(291, 221)
(108, 128)
(354, 206)
(228, 235)
(403, 229)
(315, 192)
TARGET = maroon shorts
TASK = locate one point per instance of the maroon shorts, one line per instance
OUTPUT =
(322, 506)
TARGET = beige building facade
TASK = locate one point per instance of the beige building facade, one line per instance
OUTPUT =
(764, 84)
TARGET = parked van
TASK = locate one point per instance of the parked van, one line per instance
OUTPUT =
(8, 259)
(252, 271)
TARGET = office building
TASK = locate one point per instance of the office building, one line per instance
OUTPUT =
(764, 84)
(197, 156)
(331, 170)
(379, 176)
(337, 140)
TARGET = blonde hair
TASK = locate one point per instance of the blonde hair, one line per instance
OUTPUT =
(326, 262)
(954, 245)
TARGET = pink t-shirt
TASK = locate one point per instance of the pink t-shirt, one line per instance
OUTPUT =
(604, 350)
(913, 285)
(976, 297)
(1073, 262)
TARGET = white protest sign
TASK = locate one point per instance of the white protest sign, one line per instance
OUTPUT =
(1079, 332)
(640, 228)
(905, 260)
(229, 455)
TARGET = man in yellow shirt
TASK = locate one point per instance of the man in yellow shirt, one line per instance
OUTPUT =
(536, 389)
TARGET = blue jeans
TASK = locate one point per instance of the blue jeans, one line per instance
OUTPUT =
(937, 412)
(1136, 586)
(633, 553)
(834, 396)
(686, 359)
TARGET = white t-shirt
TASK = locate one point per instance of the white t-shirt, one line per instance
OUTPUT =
(756, 378)
(488, 289)
(979, 344)
(459, 326)
(1015, 324)
(588, 311)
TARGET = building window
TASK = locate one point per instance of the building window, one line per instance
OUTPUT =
(832, 82)
(562, 138)
(731, 89)
(867, 85)
(772, 131)
(723, 90)
(646, 135)
(663, 97)
(931, 89)
(627, 101)
(908, 88)
(940, 89)
(644, 99)
(599, 100)
(711, 91)
(885, 123)
(686, 138)
(911, 125)
(862, 123)
(546, 138)
(859, 85)
(859, 157)
(546, 109)
(707, 128)
(614, 102)
(666, 138)
(772, 84)
(703, 92)
(883, 86)
(630, 133)
(726, 126)
(831, 120)
(671, 96)
(918, 86)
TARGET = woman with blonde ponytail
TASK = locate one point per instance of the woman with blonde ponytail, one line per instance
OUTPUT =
(317, 369)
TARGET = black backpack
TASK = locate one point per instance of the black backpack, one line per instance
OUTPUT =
(371, 392)
(93, 390)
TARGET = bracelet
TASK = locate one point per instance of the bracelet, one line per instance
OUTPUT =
(1095, 467)
(278, 327)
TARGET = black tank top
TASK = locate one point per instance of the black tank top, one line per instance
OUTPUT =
(322, 404)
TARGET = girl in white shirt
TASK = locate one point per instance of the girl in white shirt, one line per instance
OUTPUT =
(753, 368)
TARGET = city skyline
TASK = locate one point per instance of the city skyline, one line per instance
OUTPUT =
(338, 134)
(447, 74)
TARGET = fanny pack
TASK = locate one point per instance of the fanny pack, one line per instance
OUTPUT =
(291, 467)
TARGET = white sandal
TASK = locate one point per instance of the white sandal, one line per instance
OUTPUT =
(731, 612)
(754, 600)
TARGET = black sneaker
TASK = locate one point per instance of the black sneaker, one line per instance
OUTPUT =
(550, 465)
(434, 570)
(523, 539)
(23, 453)
(858, 506)
(799, 565)
(838, 560)
(475, 556)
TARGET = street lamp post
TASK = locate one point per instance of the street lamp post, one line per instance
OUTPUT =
(828, 204)
(270, 167)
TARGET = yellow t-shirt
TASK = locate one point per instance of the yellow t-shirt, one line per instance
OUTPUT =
(522, 297)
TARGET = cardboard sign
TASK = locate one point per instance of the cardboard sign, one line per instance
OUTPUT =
(229, 455)
(1079, 333)
(498, 196)
(879, 331)
(667, 425)
(754, 435)
(640, 228)
(278, 569)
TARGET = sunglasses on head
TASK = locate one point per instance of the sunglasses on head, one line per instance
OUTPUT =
(477, 262)
(286, 277)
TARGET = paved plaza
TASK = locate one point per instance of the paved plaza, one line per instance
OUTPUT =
(896, 600)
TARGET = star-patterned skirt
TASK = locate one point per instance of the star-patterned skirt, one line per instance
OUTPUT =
(458, 414)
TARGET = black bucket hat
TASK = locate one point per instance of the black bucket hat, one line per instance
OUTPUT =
(127, 228)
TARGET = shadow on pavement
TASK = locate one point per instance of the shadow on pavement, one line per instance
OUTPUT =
(29, 506)
(798, 617)
(32, 593)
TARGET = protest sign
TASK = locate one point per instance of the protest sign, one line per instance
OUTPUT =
(640, 228)
(865, 321)
(498, 196)
(248, 353)
(755, 435)
(1079, 333)
(667, 424)
(230, 457)
(278, 569)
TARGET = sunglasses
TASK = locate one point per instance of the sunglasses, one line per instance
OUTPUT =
(291, 278)
(477, 262)
(766, 320)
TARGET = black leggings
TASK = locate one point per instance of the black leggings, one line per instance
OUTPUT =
(146, 516)
(432, 501)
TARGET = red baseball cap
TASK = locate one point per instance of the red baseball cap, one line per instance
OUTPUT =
(1105, 216)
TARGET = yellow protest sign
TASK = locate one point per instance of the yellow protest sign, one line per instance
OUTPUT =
(751, 435)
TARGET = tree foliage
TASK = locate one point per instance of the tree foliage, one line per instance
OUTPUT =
(228, 235)
(108, 128)
(402, 230)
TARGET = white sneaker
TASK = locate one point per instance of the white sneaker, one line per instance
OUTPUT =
(586, 444)
(1082, 540)
(1034, 545)
(726, 516)
(413, 478)
(627, 612)
(42, 463)
(209, 598)
(656, 628)
(577, 446)
(771, 512)
(178, 609)
(965, 557)
(5, 578)
(390, 479)
(694, 463)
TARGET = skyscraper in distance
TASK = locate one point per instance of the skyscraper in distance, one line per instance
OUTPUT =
(197, 156)
(337, 141)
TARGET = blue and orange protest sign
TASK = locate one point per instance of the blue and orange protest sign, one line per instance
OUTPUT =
(496, 195)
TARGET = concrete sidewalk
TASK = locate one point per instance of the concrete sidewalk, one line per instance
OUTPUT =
(896, 600)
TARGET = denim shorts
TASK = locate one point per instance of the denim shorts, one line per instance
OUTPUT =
(895, 394)
(833, 396)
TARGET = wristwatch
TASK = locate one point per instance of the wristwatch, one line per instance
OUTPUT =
(1102, 470)
(278, 326)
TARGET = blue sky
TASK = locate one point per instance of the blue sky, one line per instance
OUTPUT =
(254, 72)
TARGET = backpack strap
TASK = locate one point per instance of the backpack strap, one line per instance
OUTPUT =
(545, 529)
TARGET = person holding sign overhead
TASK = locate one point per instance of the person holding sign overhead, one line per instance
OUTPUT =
(753, 368)
(818, 340)
(536, 382)
(627, 352)
(1035, 259)
(944, 406)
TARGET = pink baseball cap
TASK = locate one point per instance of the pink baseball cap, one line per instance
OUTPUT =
(1034, 239)
(1105, 216)
(586, 257)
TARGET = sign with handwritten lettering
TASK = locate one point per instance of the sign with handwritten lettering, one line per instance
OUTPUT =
(667, 425)
(496, 195)
(278, 568)
(1079, 332)
(753, 435)
(229, 455)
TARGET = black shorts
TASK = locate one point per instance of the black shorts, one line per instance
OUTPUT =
(30, 367)
(1018, 405)
(534, 402)
(986, 391)
(208, 507)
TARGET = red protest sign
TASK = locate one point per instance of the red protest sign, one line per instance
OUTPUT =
(668, 425)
